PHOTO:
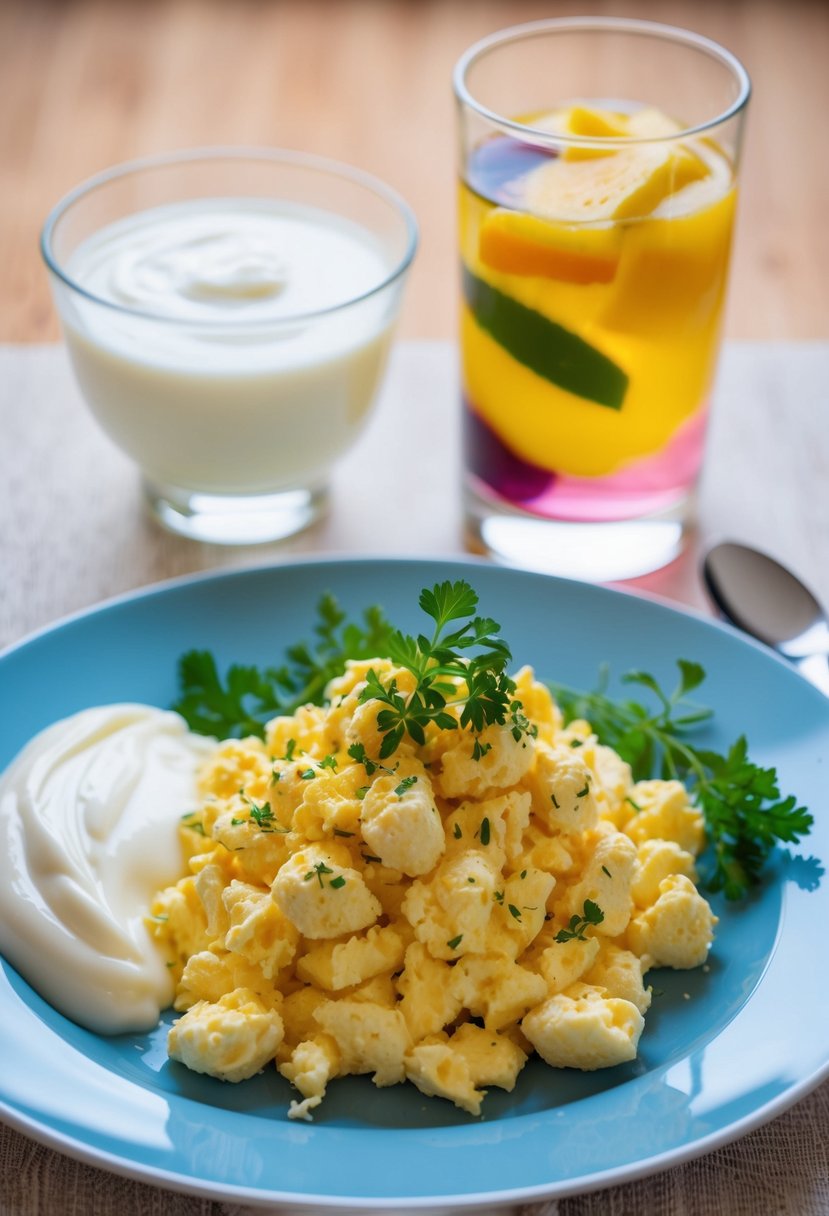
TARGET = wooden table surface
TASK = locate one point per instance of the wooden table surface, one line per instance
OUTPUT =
(88, 83)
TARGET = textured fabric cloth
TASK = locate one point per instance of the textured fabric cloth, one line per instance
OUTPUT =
(73, 534)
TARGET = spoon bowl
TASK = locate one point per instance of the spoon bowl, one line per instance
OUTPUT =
(763, 598)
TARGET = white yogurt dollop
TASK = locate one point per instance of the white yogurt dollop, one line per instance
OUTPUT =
(226, 260)
(89, 814)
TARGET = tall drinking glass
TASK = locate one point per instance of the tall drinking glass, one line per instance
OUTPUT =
(597, 195)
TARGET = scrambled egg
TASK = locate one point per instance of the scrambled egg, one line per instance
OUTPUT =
(429, 918)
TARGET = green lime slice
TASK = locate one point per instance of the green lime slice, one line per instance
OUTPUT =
(546, 348)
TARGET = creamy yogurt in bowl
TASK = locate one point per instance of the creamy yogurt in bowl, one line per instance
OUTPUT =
(228, 316)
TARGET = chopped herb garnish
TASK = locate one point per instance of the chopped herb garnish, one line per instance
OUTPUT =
(454, 942)
(606, 871)
(523, 874)
(485, 831)
(370, 857)
(521, 725)
(329, 762)
(576, 742)
(456, 831)
(555, 802)
(405, 784)
(635, 805)
(307, 774)
(337, 882)
(290, 748)
(234, 823)
(470, 878)
(591, 915)
(263, 816)
(479, 750)
(498, 896)
(340, 832)
(319, 869)
(584, 792)
(513, 911)
(362, 791)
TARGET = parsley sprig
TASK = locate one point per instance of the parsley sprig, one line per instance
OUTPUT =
(745, 814)
(462, 667)
(247, 697)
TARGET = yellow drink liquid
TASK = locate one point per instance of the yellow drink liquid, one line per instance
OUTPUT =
(593, 284)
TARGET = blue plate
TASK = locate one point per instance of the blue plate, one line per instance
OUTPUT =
(724, 1049)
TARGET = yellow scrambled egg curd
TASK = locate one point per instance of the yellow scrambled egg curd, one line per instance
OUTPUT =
(434, 917)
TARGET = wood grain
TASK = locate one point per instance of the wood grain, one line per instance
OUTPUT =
(88, 83)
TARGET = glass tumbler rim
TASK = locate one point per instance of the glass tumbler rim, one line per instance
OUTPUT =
(624, 25)
(186, 156)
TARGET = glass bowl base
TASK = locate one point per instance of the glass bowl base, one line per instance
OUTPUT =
(592, 552)
(232, 519)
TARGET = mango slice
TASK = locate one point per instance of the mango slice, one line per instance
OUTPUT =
(629, 184)
(525, 245)
(588, 121)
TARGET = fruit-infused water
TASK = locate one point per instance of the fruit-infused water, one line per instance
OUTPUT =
(593, 282)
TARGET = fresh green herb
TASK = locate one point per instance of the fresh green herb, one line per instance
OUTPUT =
(591, 915)
(362, 791)
(635, 805)
(576, 742)
(263, 816)
(234, 823)
(319, 869)
(329, 762)
(195, 825)
(479, 749)
(290, 748)
(521, 725)
(470, 878)
(555, 802)
(357, 752)
(307, 774)
(745, 814)
(583, 792)
(247, 697)
(337, 882)
(276, 776)
(513, 911)
(340, 832)
(447, 674)
(370, 857)
(498, 896)
(456, 831)
(485, 831)
(606, 871)
(405, 784)
(523, 874)
(454, 942)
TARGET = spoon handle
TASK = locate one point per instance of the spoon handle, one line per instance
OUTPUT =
(815, 669)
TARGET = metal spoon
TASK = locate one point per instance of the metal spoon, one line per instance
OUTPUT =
(766, 600)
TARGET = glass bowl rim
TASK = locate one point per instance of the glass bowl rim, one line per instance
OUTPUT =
(623, 25)
(302, 160)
